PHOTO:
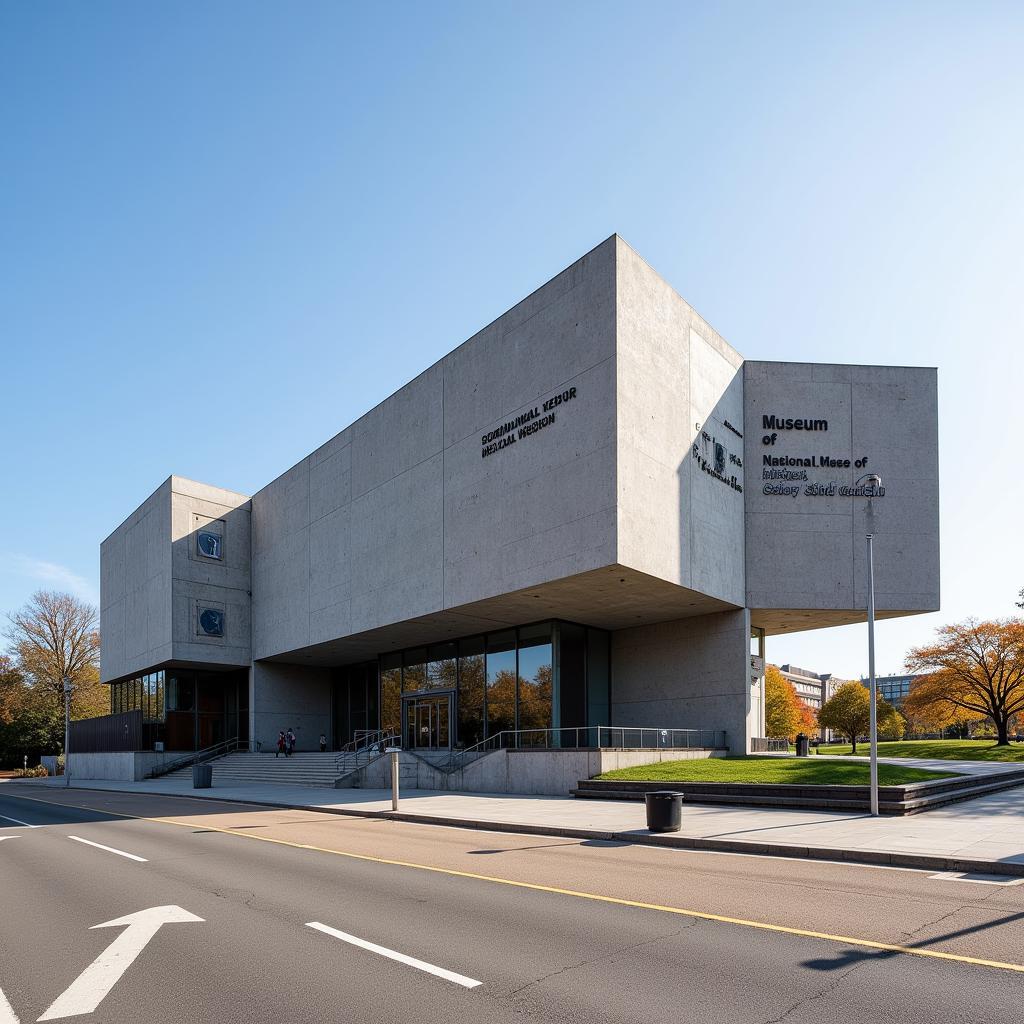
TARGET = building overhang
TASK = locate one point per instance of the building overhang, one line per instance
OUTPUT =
(777, 621)
(613, 597)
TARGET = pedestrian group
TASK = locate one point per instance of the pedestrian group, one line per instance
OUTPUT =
(285, 743)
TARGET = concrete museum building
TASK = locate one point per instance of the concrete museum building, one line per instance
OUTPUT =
(589, 514)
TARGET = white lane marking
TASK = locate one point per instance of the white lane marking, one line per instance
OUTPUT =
(18, 821)
(2, 838)
(7, 1014)
(411, 961)
(979, 878)
(109, 849)
(88, 990)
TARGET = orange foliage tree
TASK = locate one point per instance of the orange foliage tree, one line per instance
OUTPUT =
(785, 714)
(975, 668)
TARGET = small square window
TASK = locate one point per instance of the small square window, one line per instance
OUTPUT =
(211, 621)
(210, 544)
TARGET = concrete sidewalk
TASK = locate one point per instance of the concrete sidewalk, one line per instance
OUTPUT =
(931, 764)
(986, 834)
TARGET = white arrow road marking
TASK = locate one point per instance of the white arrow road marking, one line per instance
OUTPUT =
(421, 965)
(7, 1014)
(109, 849)
(88, 990)
(18, 821)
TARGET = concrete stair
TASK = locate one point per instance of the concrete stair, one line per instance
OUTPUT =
(306, 768)
(911, 798)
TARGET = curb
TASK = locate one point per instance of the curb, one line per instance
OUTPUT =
(641, 837)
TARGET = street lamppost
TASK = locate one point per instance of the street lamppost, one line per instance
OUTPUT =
(67, 731)
(873, 481)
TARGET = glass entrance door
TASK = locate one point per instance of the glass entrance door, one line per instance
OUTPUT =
(428, 722)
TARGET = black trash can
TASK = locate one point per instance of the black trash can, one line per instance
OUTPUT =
(202, 776)
(664, 811)
(803, 746)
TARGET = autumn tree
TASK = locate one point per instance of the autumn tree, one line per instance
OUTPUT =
(56, 636)
(29, 723)
(785, 714)
(925, 714)
(808, 718)
(12, 683)
(976, 667)
(891, 724)
(848, 712)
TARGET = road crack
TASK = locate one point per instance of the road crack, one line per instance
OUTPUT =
(612, 954)
(814, 996)
(931, 924)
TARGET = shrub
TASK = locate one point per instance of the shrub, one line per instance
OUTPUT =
(35, 772)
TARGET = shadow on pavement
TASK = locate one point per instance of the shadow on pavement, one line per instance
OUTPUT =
(855, 956)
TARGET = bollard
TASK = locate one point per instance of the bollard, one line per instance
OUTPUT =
(394, 780)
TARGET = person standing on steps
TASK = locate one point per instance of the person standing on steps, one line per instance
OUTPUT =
(323, 743)
(282, 745)
(290, 739)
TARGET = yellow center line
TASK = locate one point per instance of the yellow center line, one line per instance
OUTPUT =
(700, 915)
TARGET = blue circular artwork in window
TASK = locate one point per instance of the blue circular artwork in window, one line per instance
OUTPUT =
(209, 544)
(211, 621)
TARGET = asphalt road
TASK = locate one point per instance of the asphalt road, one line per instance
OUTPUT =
(499, 927)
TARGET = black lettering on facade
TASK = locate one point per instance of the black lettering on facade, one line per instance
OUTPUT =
(524, 425)
(788, 423)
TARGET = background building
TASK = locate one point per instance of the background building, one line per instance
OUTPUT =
(813, 688)
(892, 688)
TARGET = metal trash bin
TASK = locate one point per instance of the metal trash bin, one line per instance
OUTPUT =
(202, 776)
(664, 811)
(803, 746)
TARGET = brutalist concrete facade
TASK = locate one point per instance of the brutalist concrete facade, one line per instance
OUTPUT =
(597, 455)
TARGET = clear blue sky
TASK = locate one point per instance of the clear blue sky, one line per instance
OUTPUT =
(228, 229)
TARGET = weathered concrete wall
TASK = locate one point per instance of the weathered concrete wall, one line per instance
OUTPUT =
(287, 696)
(120, 766)
(135, 589)
(400, 515)
(686, 674)
(153, 581)
(199, 582)
(678, 384)
(808, 551)
(529, 772)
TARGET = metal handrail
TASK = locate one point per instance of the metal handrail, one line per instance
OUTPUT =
(607, 736)
(198, 756)
(365, 740)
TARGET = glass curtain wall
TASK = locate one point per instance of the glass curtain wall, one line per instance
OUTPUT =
(185, 710)
(357, 694)
(145, 693)
(391, 693)
(536, 684)
(533, 679)
(501, 682)
(472, 684)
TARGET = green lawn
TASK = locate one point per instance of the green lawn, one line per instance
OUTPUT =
(798, 771)
(946, 750)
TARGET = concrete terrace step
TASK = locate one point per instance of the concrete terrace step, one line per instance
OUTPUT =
(911, 798)
(307, 768)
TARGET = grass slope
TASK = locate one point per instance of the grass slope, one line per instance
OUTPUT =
(802, 772)
(945, 750)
